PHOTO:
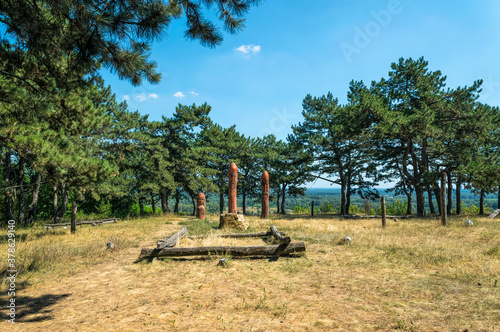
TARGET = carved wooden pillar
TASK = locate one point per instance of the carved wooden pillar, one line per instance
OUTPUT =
(265, 196)
(232, 192)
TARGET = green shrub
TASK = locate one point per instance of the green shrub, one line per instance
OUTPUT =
(327, 207)
(300, 210)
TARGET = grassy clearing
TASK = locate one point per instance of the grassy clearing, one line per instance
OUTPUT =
(412, 276)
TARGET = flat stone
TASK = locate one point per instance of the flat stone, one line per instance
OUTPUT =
(233, 220)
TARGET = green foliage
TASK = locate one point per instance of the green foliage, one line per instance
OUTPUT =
(301, 210)
(397, 208)
(327, 207)
(353, 209)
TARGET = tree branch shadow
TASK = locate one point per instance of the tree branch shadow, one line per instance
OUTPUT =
(27, 306)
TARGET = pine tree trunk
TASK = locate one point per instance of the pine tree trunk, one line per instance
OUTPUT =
(34, 200)
(481, 202)
(444, 214)
(431, 203)
(153, 203)
(164, 200)
(176, 205)
(450, 193)
(141, 206)
(343, 199)
(64, 205)
(348, 198)
(278, 203)
(438, 199)
(243, 203)
(498, 203)
(193, 202)
(283, 210)
(408, 202)
(8, 192)
(221, 203)
(419, 190)
(459, 195)
(54, 204)
(22, 198)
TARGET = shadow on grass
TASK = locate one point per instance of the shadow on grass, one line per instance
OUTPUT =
(27, 305)
(22, 237)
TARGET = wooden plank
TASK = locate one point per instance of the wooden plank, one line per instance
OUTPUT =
(235, 235)
(171, 241)
(355, 216)
(278, 237)
(89, 222)
(272, 250)
(494, 214)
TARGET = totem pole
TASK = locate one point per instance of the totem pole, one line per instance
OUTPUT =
(233, 180)
(200, 206)
(265, 196)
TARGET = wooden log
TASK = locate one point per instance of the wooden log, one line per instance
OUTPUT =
(375, 217)
(236, 235)
(278, 237)
(382, 205)
(90, 222)
(272, 250)
(494, 214)
(87, 222)
(73, 217)
(171, 241)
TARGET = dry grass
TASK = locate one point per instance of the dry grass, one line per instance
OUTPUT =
(413, 275)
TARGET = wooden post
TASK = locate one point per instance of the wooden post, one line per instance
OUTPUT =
(382, 205)
(277, 236)
(444, 214)
(232, 193)
(312, 209)
(264, 214)
(73, 217)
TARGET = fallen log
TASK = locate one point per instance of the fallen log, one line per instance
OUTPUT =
(236, 235)
(494, 214)
(272, 250)
(86, 222)
(171, 241)
(100, 221)
(278, 237)
(355, 216)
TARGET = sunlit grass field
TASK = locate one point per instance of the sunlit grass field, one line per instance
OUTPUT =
(414, 275)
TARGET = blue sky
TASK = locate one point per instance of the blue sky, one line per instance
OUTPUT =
(289, 48)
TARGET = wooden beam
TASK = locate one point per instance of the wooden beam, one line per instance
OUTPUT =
(89, 222)
(278, 237)
(272, 250)
(494, 214)
(236, 235)
(171, 241)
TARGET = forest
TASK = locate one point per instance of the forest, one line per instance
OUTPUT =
(64, 136)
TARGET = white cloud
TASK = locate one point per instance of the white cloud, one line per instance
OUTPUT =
(142, 97)
(179, 94)
(126, 97)
(194, 93)
(246, 49)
